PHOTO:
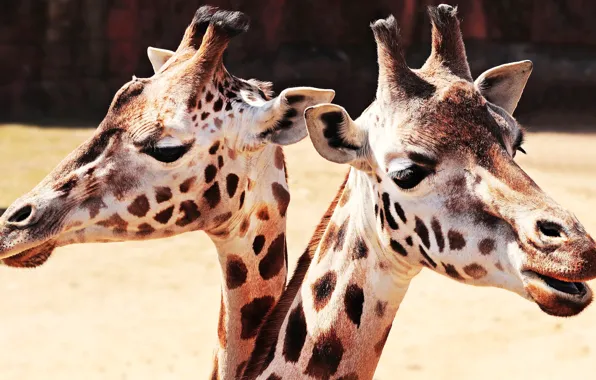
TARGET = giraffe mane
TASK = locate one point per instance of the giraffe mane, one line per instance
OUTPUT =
(269, 332)
(266, 87)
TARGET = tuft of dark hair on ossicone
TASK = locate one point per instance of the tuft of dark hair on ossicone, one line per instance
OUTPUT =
(231, 23)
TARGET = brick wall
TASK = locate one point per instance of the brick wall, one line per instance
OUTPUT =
(66, 58)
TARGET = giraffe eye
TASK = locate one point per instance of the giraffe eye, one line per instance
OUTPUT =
(166, 154)
(410, 177)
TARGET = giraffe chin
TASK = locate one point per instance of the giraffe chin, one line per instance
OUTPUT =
(556, 297)
(31, 258)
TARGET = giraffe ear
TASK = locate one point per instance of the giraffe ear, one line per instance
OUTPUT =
(158, 57)
(334, 134)
(503, 85)
(284, 115)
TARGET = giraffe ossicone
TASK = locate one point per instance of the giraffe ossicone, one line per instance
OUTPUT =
(190, 148)
(433, 183)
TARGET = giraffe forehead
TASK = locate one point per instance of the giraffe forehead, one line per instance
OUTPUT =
(456, 117)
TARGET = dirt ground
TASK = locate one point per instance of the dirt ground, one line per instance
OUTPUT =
(148, 310)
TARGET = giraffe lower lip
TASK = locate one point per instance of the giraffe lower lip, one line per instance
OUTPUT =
(32, 257)
(557, 297)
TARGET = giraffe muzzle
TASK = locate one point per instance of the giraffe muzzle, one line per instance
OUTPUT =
(26, 235)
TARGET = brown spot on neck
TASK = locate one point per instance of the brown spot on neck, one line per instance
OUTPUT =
(258, 243)
(322, 289)
(231, 184)
(115, 222)
(328, 239)
(354, 303)
(388, 215)
(163, 194)
(274, 261)
(295, 337)
(326, 356)
(164, 216)
(436, 227)
(279, 159)
(456, 240)
(400, 212)
(422, 232)
(486, 246)
(190, 213)
(359, 249)
(244, 227)
(236, 272)
(380, 308)
(282, 196)
(214, 147)
(263, 213)
(398, 247)
(452, 272)
(476, 271)
(187, 184)
(252, 314)
(212, 195)
(210, 173)
(341, 234)
(139, 207)
(94, 204)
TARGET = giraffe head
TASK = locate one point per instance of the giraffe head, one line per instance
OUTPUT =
(438, 154)
(173, 154)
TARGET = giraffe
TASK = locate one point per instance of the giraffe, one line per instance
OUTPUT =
(432, 183)
(190, 148)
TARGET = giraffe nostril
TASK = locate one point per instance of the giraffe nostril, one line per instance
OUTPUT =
(21, 214)
(550, 229)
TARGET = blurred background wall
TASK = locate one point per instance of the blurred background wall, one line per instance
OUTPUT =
(64, 59)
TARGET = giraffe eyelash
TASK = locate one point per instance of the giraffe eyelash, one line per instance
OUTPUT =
(409, 178)
(517, 145)
(166, 154)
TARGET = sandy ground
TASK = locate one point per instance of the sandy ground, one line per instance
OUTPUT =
(148, 310)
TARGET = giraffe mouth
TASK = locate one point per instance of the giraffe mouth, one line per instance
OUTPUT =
(573, 288)
(555, 296)
(32, 257)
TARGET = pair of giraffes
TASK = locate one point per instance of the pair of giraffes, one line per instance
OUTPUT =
(433, 183)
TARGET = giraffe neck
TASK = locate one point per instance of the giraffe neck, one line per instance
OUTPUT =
(339, 319)
(253, 260)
